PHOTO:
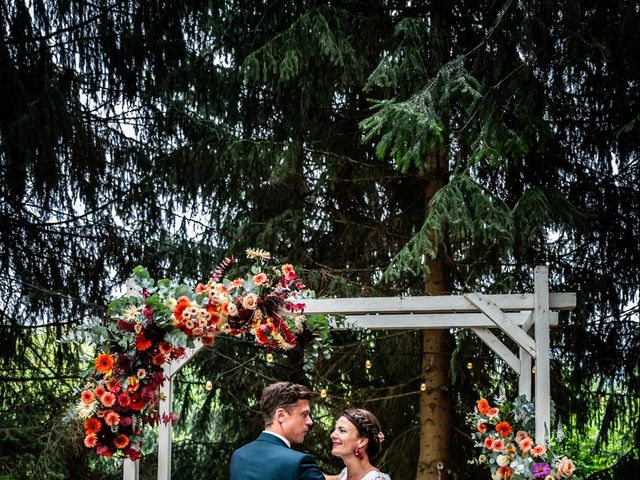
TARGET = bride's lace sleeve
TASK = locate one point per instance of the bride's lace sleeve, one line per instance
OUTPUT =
(382, 476)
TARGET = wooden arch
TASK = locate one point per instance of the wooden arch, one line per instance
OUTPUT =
(525, 318)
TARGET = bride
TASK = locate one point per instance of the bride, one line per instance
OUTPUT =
(356, 438)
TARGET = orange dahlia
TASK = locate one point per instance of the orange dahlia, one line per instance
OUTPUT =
(99, 391)
(483, 406)
(165, 348)
(504, 472)
(113, 385)
(158, 359)
(92, 425)
(87, 396)
(112, 418)
(504, 429)
(137, 403)
(108, 399)
(124, 400)
(104, 363)
(142, 343)
(121, 441)
(183, 302)
(90, 440)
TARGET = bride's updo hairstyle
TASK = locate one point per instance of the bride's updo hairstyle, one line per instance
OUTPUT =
(368, 426)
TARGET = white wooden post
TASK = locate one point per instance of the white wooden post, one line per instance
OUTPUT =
(130, 470)
(542, 398)
(165, 433)
(524, 380)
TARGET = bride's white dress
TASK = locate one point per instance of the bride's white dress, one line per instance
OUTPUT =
(372, 475)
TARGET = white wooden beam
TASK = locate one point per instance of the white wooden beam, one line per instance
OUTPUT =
(542, 398)
(430, 304)
(497, 346)
(428, 320)
(503, 322)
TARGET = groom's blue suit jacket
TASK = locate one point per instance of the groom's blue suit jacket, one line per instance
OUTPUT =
(269, 458)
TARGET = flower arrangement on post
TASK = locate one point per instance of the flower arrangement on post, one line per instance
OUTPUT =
(502, 433)
(154, 322)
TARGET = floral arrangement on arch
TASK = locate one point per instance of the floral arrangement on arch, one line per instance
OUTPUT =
(154, 322)
(501, 432)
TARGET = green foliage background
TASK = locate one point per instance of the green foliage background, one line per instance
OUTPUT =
(171, 134)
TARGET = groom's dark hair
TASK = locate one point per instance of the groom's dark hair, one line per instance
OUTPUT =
(281, 395)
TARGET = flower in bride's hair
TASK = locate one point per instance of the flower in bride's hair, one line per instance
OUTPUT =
(380, 437)
(258, 253)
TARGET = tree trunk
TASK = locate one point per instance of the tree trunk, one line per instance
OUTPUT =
(437, 345)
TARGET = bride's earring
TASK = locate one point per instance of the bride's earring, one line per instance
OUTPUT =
(358, 453)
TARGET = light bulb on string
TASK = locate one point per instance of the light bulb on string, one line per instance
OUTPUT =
(323, 393)
(533, 369)
(469, 365)
(208, 385)
(423, 387)
(603, 400)
(269, 357)
(367, 364)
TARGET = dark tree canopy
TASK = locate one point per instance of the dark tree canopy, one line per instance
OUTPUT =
(171, 134)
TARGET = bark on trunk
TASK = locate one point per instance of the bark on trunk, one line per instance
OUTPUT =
(435, 401)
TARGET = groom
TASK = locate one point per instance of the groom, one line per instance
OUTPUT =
(287, 418)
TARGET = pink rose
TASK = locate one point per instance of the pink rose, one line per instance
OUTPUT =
(250, 301)
(260, 279)
(565, 467)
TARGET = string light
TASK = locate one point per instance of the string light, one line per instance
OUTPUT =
(533, 369)
(323, 393)
(367, 364)
(269, 357)
(470, 365)
(423, 387)
(603, 400)
(208, 385)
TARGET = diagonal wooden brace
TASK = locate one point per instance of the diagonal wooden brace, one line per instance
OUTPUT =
(500, 319)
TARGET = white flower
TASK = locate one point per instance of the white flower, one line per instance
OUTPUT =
(170, 303)
(130, 313)
(503, 460)
(258, 253)
(232, 309)
(85, 410)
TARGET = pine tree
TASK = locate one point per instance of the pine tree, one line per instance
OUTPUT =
(172, 133)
